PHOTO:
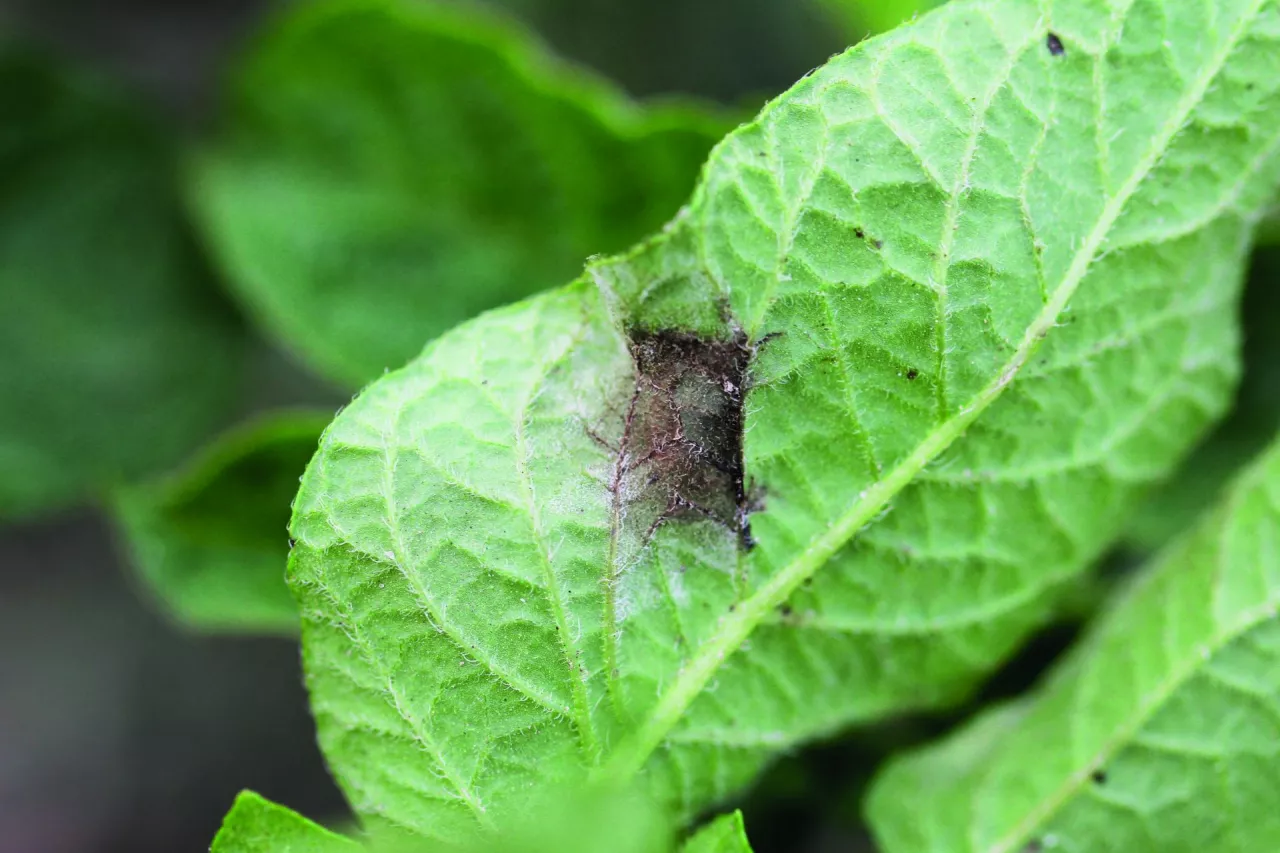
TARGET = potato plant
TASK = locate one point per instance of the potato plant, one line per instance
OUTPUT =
(886, 373)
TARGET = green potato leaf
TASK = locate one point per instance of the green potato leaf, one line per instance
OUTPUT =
(825, 449)
(725, 834)
(1161, 732)
(388, 169)
(210, 541)
(116, 357)
(257, 825)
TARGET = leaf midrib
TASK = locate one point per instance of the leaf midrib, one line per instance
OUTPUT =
(631, 755)
(1149, 705)
(1046, 808)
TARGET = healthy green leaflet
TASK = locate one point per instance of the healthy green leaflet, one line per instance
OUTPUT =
(210, 540)
(1162, 732)
(257, 825)
(988, 300)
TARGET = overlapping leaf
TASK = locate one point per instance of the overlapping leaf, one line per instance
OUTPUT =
(1161, 733)
(984, 270)
(211, 540)
(115, 355)
(390, 168)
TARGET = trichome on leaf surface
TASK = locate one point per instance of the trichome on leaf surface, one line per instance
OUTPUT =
(964, 293)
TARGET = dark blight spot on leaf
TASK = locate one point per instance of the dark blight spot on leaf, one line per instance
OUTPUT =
(1099, 777)
(1054, 44)
(681, 445)
(859, 233)
(912, 374)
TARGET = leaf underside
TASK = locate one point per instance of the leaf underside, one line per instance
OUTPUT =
(390, 168)
(1161, 733)
(985, 280)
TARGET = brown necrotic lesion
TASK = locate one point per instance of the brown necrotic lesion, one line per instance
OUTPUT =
(679, 456)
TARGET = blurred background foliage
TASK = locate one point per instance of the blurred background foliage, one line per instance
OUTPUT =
(217, 220)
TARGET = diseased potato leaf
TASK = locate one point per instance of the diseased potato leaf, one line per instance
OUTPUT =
(1161, 732)
(390, 168)
(211, 540)
(983, 273)
(116, 357)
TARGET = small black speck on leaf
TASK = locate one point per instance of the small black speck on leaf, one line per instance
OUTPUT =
(912, 373)
(859, 233)
(1099, 777)
(1054, 44)
(878, 244)
(785, 610)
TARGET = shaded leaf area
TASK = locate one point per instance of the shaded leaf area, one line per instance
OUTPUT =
(388, 169)
(980, 324)
(211, 541)
(725, 834)
(257, 825)
(116, 357)
(1161, 732)
(1269, 229)
(1175, 504)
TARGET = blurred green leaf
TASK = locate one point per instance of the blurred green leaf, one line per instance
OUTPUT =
(116, 357)
(388, 169)
(1161, 733)
(211, 541)
(725, 834)
(869, 17)
(257, 825)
